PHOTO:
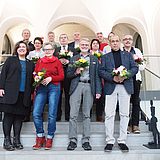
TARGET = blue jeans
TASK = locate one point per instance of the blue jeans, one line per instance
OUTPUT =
(50, 94)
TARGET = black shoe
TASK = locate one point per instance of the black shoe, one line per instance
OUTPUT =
(17, 144)
(86, 146)
(67, 119)
(123, 147)
(72, 145)
(108, 148)
(8, 145)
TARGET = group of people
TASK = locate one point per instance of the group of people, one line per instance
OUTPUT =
(86, 72)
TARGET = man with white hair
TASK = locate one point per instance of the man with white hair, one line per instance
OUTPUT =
(26, 35)
(85, 86)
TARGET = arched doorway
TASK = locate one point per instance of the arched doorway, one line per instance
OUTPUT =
(122, 29)
(6, 48)
(70, 28)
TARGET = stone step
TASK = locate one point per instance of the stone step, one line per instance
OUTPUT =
(28, 134)
(96, 139)
(63, 127)
(60, 153)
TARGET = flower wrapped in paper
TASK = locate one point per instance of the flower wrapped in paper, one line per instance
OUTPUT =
(138, 59)
(38, 77)
(81, 63)
(65, 54)
(121, 71)
(97, 54)
(35, 59)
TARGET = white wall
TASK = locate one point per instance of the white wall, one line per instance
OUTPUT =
(41, 16)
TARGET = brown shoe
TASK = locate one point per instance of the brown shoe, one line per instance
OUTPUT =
(129, 129)
(136, 130)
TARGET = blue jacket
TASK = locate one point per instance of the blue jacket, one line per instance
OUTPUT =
(107, 66)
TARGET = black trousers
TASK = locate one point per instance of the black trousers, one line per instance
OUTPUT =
(135, 100)
(100, 106)
(10, 120)
(65, 87)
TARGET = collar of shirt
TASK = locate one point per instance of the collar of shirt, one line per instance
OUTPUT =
(86, 55)
(66, 47)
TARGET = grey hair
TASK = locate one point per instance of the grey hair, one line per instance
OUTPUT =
(85, 39)
(48, 43)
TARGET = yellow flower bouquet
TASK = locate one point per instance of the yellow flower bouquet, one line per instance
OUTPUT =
(97, 54)
(81, 63)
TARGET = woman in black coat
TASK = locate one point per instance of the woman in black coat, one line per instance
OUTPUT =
(15, 94)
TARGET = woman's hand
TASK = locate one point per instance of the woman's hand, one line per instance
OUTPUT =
(46, 81)
(2, 92)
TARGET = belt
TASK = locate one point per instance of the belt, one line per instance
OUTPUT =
(85, 81)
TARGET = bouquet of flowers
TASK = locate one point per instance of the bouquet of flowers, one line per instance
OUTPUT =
(35, 59)
(138, 59)
(81, 63)
(38, 77)
(97, 54)
(65, 54)
(120, 71)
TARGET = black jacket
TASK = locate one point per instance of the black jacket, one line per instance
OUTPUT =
(10, 81)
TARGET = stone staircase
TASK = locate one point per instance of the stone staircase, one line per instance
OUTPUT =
(59, 152)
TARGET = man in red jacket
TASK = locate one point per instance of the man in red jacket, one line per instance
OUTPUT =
(100, 37)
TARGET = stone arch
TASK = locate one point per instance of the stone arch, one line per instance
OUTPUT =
(8, 24)
(73, 19)
(71, 14)
(139, 28)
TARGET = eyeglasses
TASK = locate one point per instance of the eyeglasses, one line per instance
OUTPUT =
(115, 41)
(45, 50)
(127, 39)
(84, 45)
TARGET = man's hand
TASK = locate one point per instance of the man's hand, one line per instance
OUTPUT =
(121, 79)
(64, 61)
(79, 70)
(2, 92)
(116, 79)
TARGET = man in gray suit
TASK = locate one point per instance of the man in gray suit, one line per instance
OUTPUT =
(86, 84)
(117, 88)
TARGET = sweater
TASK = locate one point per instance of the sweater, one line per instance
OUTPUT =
(53, 68)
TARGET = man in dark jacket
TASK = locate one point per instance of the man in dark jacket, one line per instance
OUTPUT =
(26, 35)
(65, 85)
(117, 87)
